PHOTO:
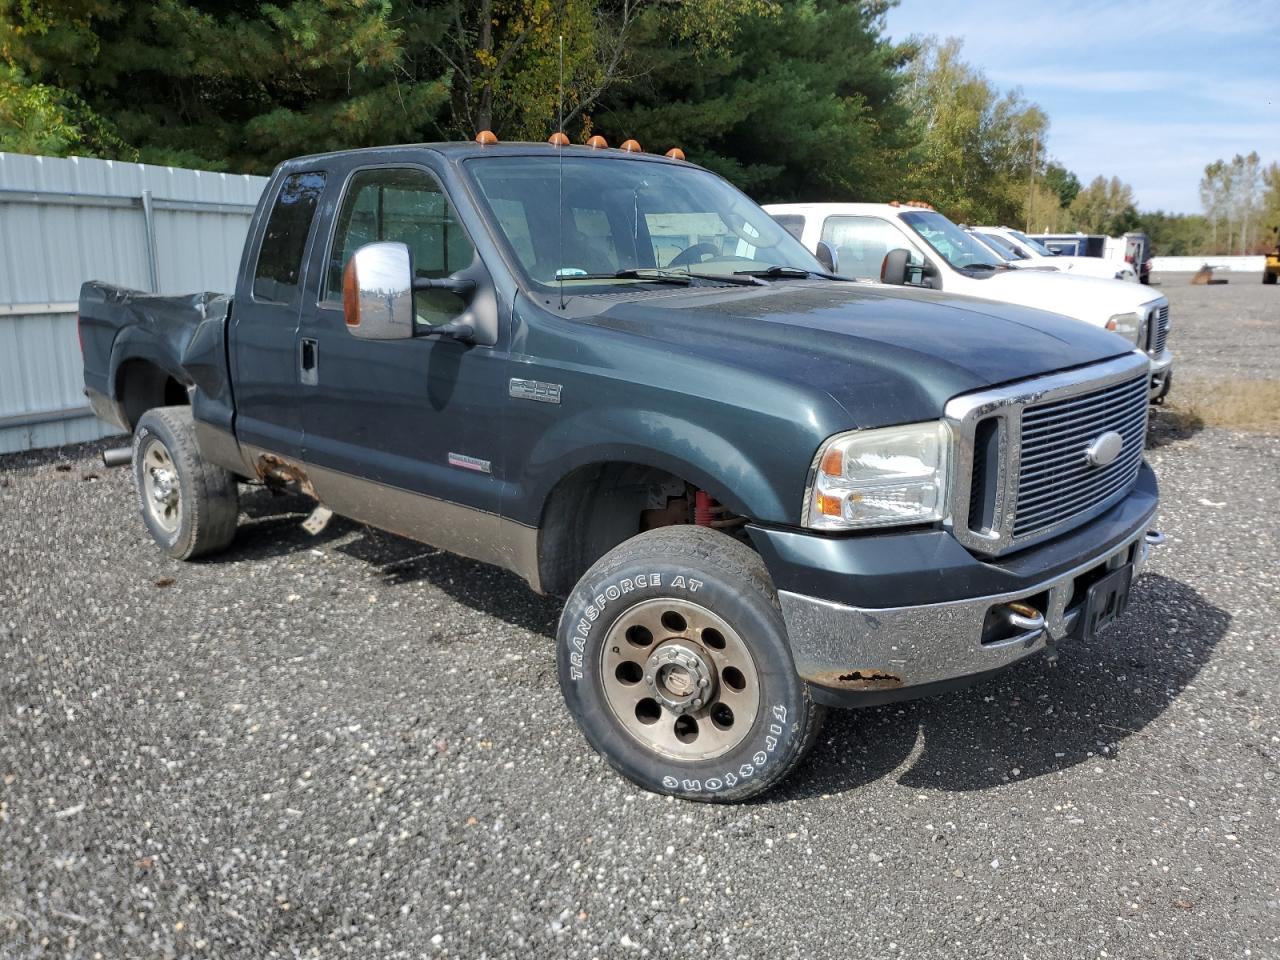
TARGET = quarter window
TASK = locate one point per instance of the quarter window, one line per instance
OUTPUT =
(404, 205)
(275, 278)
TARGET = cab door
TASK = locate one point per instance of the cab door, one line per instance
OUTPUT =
(404, 434)
(265, 314)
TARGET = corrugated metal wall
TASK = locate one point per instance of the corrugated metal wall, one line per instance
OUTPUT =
(64, 221)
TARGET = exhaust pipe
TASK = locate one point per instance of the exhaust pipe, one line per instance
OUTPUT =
(117, 457)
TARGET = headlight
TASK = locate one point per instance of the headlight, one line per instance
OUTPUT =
(1128, 325)
(879, 478)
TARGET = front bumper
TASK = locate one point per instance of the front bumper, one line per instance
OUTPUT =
(1161, 374)
(855, 641)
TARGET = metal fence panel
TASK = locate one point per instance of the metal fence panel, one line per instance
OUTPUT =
(64, 221)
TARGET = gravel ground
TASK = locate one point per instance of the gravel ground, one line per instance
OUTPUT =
(354, 746)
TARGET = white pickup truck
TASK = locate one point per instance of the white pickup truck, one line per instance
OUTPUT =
(910, 244)
(1027, 251)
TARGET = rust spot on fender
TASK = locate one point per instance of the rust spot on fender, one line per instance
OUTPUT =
(276, 472)
(856, 679)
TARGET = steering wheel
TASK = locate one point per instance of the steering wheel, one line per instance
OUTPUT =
(692, 255)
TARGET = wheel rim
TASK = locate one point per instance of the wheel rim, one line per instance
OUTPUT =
(679, 679)
(161, 491)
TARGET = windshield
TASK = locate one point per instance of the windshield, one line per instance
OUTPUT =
(1035, 245)
(1002, 247)
(951, 243)
(639, 218)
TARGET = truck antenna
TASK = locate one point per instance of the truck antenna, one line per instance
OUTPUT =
(560, 151)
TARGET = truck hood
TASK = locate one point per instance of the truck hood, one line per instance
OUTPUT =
(1081, 266)
(885, 354)
(1091, 299)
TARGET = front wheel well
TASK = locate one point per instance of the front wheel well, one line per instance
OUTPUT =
(596, 507)
(142, 385)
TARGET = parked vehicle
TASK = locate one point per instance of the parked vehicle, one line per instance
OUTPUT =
(1271, 267)
(763, 490)
(914, 245)
(1027, 251)
(1075, 244)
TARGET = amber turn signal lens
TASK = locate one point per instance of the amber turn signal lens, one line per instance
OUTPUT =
(833, 463)
(350, 294)
(558, 139)
(597, 142)
(631, 146)
(828, 505)
(486, 137)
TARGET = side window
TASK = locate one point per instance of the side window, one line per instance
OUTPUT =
(405, 205)
(862, 242)
(793, 223)
(275, 278)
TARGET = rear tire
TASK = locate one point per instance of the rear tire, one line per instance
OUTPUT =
(674, 662)
(1269, 278)
(190, 506)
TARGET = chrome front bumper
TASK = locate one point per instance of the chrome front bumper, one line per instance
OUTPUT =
(852, 654)
(1161, 373)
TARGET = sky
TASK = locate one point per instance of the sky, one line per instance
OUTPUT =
(1146, 91)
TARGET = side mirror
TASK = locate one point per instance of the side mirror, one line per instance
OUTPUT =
(827, 256)
(377, 292)
(893, 269)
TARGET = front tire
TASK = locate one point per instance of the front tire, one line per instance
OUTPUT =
(190, 506)
(674, 662)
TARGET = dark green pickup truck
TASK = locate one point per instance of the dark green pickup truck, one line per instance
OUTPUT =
(763, 490)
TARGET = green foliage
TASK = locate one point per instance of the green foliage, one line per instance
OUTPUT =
(1104, 206)
(976, 147)
(1175, 234)
(802, 104)
(1062, 182)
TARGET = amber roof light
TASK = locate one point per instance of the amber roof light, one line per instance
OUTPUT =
(675, 153)
(558, 139)
(485, 138)
(631, 146)
(597, 142)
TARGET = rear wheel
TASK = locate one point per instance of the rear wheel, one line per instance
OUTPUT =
(1269, 277)
(674, 661)
(190, 506)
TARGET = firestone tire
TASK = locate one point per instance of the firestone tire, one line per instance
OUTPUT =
(190, 506)
(709, 578)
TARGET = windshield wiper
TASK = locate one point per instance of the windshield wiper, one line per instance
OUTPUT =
(778, 272)
(634, 273)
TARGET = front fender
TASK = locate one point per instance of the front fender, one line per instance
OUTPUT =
(688, 450)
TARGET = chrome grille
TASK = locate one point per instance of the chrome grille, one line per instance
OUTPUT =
(1021, 469)
(1056, 481)
(1160, 330)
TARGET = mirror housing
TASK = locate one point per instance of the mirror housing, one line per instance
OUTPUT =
(827, 256)
(893, 269)
(377, 292)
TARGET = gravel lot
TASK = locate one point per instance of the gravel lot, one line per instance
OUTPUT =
(354, 746)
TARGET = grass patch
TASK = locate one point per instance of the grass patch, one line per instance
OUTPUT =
(1252, 405)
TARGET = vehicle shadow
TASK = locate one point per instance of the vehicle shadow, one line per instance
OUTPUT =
(1034, 719)
(1170, 425)
(271, 526)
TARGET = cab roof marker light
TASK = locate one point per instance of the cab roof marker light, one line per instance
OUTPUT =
(558, 139)
(631, 146)
(597, 142)
(675, 153)
(486, 138)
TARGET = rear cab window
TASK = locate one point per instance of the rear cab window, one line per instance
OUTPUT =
(861, 244)
(284, 241)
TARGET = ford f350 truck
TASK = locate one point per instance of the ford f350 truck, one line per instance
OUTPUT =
(763, 490)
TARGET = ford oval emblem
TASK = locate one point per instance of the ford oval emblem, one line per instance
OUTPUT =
(1104, 449)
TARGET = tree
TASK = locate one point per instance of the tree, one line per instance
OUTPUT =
(801, 105)
(1105, 206)
(1062, 182)
(977, 148)
(1230, 193)
(1270, 216)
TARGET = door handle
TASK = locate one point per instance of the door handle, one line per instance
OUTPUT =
(308, 361)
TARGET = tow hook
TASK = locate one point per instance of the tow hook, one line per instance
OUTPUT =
(1023, 616)
(1155, 538)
